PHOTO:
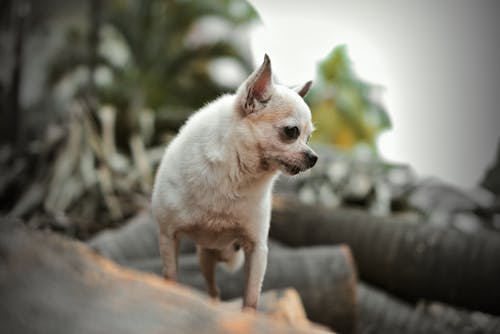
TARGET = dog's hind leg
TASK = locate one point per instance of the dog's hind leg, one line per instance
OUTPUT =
(169, 249)
(208, 259)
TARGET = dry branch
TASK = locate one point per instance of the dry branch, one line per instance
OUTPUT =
(410, 259)
(80, 176)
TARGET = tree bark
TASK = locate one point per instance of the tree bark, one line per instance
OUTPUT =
(49, 284)
(325, 278)
(283, 305)
(135, 239)
(411, 260)
(460, 320)
(380, 313)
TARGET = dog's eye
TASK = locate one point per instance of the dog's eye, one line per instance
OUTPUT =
(292, 132)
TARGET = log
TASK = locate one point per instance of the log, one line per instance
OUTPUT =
(413, 260)
(460, 320)
(136, 239)
(49, 284)
(381, 313)
(325, 278)
(283, 305)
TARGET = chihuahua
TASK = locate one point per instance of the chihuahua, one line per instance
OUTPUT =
(215, 180)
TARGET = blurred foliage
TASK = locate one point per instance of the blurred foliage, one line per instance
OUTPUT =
(155, 54)
(345, 109)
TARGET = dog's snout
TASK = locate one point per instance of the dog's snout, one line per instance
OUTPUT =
(312, 158)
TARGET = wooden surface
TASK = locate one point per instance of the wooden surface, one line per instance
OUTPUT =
(283, 305)
(325, 278)
(49, 284)
(381, 313)
(409, 259)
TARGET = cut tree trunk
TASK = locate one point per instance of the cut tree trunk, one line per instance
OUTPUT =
(380, 313)
(462, 321)
(136, 239)
(283, 305)
(49, 284)
(410, 259)
(325, 278)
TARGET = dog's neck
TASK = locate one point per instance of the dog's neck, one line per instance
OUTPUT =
(249, 167)
(235, 163)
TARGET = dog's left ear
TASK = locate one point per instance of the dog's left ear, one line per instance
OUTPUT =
(257, 89)
(304, 89)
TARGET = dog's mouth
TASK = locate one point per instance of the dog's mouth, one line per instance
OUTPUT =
(289, 168)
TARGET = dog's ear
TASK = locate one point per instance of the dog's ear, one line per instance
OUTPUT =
(304, 89)
(256, 91)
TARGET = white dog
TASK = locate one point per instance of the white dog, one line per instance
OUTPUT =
(215, 180)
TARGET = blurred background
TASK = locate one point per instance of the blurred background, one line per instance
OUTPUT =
(405, 105)
(436, 63)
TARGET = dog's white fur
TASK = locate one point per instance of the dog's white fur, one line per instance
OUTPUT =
(215, 180)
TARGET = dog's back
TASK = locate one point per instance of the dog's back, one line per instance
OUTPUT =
(197, 174)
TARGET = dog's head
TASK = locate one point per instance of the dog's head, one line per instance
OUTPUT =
(276, 122)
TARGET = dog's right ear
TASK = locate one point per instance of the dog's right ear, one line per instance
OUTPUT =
(256, 91)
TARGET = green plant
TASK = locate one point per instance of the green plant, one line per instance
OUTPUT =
(344, 108)
(155, 54)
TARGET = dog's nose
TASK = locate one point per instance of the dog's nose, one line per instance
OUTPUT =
(312, 158)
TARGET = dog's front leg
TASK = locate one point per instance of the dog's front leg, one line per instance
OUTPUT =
(255, 268)
(169, 249)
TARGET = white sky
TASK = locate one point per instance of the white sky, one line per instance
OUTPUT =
(438, 60)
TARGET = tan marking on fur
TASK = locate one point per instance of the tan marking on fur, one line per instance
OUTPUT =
(271, 116)
(217, 236)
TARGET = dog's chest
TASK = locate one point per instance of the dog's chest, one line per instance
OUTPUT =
(215, 236)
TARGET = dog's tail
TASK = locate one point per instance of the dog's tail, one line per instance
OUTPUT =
(233, 258)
